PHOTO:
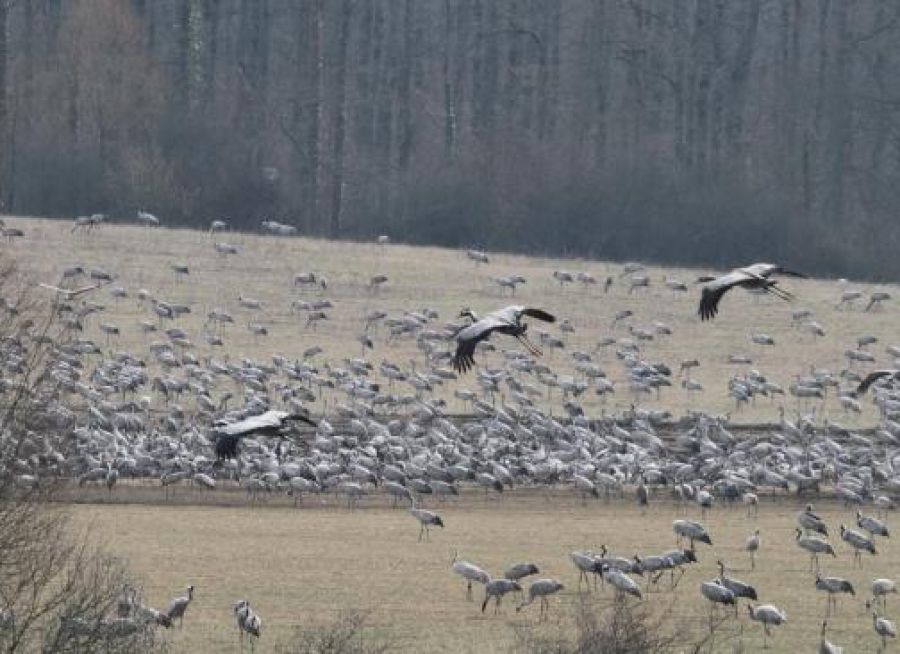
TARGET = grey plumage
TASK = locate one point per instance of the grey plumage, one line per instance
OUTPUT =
(716, 592)
(754, 277)
(623, 584)
(520, 571)
(815, 546)
(427, 519)
(541, 588)
(736, 586)
(470, 572)
(248, 622)
(768, 615)
(178, 606)
(693, 531)
(859, 542)
(505, 321)
(497, 588)
(833, 586)
(872, 525)
(809, 521)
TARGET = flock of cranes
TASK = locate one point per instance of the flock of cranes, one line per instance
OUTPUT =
(131, 614)
(619, 573)
(166, 414)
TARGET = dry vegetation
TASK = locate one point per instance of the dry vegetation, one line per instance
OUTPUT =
(307, 567)
(446, 280)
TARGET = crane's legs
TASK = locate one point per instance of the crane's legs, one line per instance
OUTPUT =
(531, 347)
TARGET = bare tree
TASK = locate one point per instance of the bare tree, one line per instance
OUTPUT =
(5, 131)
(642, 122)
(337, 157)
(57, 588)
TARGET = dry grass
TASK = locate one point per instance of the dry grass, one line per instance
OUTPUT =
(305, 567)
(444, 279)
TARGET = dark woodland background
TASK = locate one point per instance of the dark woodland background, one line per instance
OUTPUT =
(683, 131)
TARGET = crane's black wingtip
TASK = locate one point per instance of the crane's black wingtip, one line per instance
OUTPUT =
(304, 418)
(226, 446)
(706, 312)
(709, 304)
(540, 314)
(462, 363)
(870, 379)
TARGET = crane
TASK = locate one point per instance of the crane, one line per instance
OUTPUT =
(754, 277)
(271, 422)
(505, 321)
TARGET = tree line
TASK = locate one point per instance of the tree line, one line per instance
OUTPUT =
(704, 132)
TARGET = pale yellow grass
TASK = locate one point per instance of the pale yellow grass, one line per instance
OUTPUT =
(303, 567)
(446, 280)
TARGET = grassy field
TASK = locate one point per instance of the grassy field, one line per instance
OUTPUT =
(303, 567)
(446, 280)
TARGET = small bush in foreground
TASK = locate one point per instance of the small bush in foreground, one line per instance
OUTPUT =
(346, 635)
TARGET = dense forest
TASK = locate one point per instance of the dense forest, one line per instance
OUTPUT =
(691, 131)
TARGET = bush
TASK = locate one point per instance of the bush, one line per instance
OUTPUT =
(57, 591)
(620, 628)
(346, 635)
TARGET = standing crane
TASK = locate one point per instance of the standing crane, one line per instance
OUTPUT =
(881, 588)
(248, 622)
(736, 586)
(542, 588)
(815, 546)
(179, 605)
(884, 628)
(426, 519)
(497, 588)
(858, 542)
(692, 531)
(752, 546)
(833, 586)
(767, 615)
(470, 572)
(147, 218)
